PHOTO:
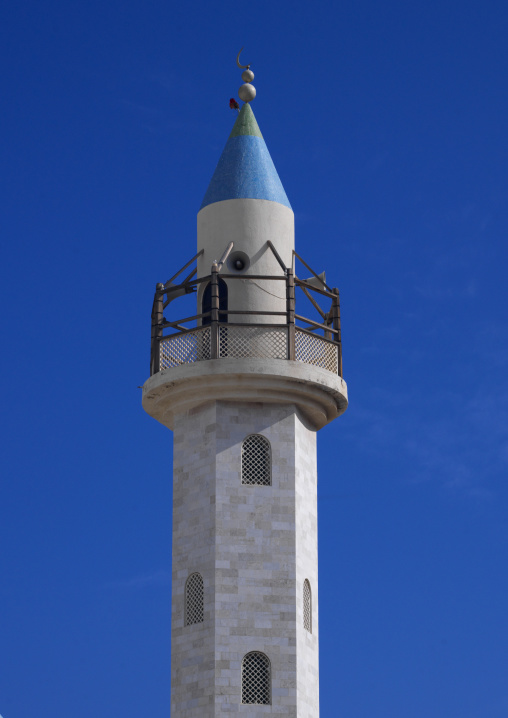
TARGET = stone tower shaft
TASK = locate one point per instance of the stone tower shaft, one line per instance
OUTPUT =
(245, 388)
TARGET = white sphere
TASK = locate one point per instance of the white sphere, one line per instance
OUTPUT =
(247, 92)
(247, 75)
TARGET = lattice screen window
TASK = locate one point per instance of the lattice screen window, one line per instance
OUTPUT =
(256, 679)
(307, 606)
(194, 595)
(256, 461)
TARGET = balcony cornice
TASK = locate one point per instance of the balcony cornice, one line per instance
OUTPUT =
(319, 395)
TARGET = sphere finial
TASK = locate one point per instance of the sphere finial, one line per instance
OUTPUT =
(247, 92)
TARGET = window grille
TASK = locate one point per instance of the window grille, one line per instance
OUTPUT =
(194, 595)
(307, 606)
(256, 679)
(256, 461)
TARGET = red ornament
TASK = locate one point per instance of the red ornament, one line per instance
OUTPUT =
(234, 104)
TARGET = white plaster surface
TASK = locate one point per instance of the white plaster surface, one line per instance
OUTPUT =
(254, 546)
(248, 223)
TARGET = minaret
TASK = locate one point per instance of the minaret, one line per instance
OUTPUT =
(244, 385)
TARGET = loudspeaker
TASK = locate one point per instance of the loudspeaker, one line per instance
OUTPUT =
(318, 283)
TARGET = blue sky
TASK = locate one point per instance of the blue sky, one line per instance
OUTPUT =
(387, 124)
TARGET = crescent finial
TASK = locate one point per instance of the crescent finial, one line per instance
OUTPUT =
(242, 67)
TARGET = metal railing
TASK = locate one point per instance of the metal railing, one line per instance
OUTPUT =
(261, 341)
(315, 343)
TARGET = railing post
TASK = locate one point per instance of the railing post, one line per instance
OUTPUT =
(328, 320)
(336, 326)
(290, 307)
(214, 318)
(156, 336)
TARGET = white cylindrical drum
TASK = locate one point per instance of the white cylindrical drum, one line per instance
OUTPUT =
(248, 223)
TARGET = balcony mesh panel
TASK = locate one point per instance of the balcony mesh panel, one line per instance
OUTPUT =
(316, 351)
(307, 606)
(256, 679)
(256, 461)
(241, 342)
(185, 348)
(194, 595)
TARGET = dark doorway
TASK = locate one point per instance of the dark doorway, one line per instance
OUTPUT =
(206, 303)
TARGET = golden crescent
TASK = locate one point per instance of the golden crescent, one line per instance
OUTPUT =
(242, 67)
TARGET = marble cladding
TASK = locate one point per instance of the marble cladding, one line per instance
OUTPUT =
(254, 547)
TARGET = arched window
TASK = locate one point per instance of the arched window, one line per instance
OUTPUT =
(206, 302)
(194, 595)
(256, 461)
(256, 679)
(307, 606)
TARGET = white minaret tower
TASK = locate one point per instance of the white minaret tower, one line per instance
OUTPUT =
(244, 386)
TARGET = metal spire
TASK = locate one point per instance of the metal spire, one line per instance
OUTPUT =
(247, 92)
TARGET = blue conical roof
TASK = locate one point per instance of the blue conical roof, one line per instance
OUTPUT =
(245, 169)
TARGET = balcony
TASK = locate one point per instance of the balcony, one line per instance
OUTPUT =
(214, 334)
